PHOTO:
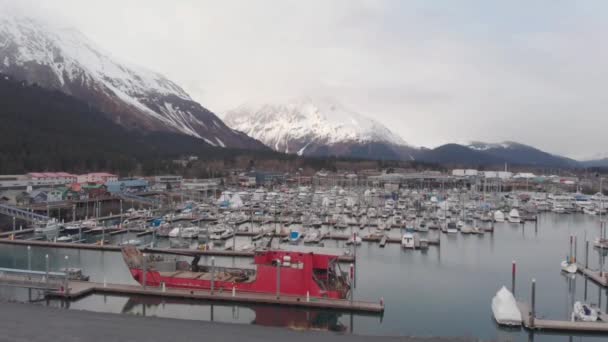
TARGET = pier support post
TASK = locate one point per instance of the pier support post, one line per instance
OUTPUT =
(66, 290)
(29, 258)
(352, 277)
(587, 254)
(212, 274)
(144, 270)
(513, 276)
(46, 265)
(575, 249)
(279, 279)
(533, 305)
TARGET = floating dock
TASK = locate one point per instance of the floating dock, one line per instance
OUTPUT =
(113, 248)
(78, 289)
(533, 323)
(595, 276)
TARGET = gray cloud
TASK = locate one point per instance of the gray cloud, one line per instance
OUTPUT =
(434, 72)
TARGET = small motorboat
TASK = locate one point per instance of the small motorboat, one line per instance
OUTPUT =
(407, 241)
(584, 312)
(514, 216)
(499, 216)
(294, 236)
(504, 308)
(131, 242)
(354, 239)
(452, 228)
(569, 267)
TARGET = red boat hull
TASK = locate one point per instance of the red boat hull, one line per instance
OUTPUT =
(297, 279)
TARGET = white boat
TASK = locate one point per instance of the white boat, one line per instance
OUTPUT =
(584, 312)
(50, 230)
(227, 234)
(407, 241)
(65, 238)
(504, 308)
(132, 242)
(356, 239)
(589, 211)
(175, 232)
(451, 228)
(190, 232)
(569, 267)
(312, 236)
(499, 216)
(514, 216)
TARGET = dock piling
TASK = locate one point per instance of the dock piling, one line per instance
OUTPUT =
(46, 276)
(513, 275)
(29, 258)
(575, 248)
(279, 279)
(352, 277)
(144, 270)
(587, 254)
(533, 306)
(65, 279)
(212, 274)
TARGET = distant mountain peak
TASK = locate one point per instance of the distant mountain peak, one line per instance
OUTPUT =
(296, 125)
(483, 146)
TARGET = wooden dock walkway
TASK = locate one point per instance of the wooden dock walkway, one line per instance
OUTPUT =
(533, 323)
(16, 232)
(77, 289)
(593, 275)
(113, 248)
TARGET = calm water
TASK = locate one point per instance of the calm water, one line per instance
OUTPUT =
(443, 291)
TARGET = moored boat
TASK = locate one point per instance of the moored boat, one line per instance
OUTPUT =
(504, 308)
(407, 241)
(318, 275)
(584, 312)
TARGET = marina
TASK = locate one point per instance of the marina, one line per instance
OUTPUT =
(478, 255)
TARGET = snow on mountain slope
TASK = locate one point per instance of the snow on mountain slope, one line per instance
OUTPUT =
(304, 126)
(64, 59)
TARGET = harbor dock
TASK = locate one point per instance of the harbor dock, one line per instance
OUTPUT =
(78, 289)
(58, 286)
(595, 276)
(114, 248)
(531, 322)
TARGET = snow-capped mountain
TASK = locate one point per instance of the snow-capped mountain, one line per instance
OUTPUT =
(317, 127)
(64, 59)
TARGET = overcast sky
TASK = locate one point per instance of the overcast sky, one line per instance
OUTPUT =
(433, 71)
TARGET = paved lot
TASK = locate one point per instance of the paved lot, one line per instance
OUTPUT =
(27, 322)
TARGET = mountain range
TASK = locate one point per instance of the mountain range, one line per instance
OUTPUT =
(148, 107)
(323, 127)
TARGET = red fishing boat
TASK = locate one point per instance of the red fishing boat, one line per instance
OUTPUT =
(299, 274)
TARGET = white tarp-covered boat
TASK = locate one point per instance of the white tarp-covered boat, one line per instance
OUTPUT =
(504, 308)
(584, 312)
